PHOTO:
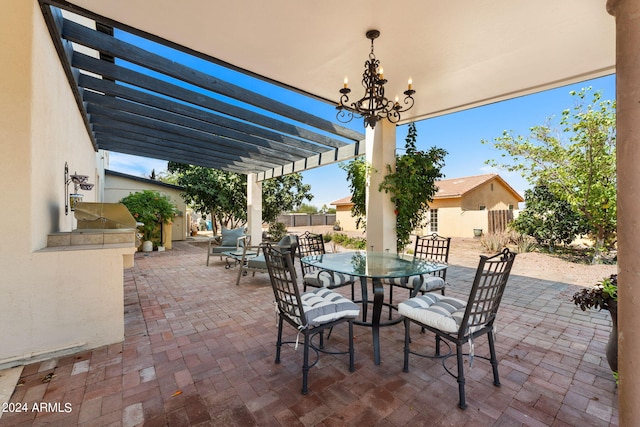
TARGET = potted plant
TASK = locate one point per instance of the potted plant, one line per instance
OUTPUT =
(151, 209)
(603, 295)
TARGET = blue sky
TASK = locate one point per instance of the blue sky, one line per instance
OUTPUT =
(460, 133)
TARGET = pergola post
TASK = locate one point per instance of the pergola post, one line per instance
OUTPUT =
(381, 219)
(254, 208)
(627, 14)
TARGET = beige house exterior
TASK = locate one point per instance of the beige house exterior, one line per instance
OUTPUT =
(118, 185)
(460, 206)
(57, 299)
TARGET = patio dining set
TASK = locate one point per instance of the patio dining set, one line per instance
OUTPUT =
(311, 303)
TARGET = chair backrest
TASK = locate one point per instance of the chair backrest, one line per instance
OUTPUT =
(487, 290)
(433, 248)
(309, 244)
(283, 281)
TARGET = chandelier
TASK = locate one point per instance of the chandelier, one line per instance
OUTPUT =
(373, 106)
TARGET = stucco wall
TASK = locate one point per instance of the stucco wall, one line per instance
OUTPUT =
(454, 222)
(117, 187)
(347, 222)
(51, 300)
(492, 195)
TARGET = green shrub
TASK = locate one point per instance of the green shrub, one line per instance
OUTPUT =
(494, 242)
(522, 242)
(150, 208)
(277, 231)
(346, 241)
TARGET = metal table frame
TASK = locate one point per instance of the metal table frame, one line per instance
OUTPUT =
(376, 266)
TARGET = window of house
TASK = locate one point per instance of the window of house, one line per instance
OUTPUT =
(510, 207)
(482, 207)
(433, 220)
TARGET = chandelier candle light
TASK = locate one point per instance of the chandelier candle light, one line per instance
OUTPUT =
(373, 106)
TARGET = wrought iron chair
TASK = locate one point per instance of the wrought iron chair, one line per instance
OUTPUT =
(310, 313)
(311, 244)
(432, 248)
(461, 322)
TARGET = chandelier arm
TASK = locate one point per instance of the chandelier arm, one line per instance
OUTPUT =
(373, 106)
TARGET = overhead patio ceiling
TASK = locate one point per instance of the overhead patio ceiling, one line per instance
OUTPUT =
(459, 54)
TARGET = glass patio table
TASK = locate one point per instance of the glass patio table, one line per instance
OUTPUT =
(375, 266)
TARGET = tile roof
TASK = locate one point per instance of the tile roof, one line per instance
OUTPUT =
(457, 187)
(454, 187)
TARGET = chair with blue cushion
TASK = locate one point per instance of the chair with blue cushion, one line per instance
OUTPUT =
(252, 260)
(311, 244)
(309, 313)
(460, 322)
(229, 240)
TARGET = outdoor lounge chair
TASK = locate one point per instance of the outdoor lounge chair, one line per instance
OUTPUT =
(461, 322)
(229, 240)
(309, 313)
(253, 260)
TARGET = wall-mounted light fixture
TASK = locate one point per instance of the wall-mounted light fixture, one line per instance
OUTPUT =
(79, 182)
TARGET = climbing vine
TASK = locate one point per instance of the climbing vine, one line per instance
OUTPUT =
(358, 171)
(412, 185)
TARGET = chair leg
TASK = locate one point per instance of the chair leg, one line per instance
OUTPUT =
(305, 362)
(494, 359)
(462, 404)
(438, 340)
(407, 341)
(352, 366)
(390, 300)
(279, 341)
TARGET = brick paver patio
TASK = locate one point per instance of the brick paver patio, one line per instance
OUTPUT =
(200, 351)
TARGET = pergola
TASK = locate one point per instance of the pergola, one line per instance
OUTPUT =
(459, 56)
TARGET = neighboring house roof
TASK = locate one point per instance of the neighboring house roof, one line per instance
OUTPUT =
(457, 187)
(142, 179)
(454, 187)
(341, 202)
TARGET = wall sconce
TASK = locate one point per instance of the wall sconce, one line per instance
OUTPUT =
(79, 182)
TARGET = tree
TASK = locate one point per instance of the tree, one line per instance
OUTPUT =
(224, 194)
(358, 171)
(412, 185)
(150, 208)
(282, 194)
(308, 209)
(548, 218)
(211, 191)
(581, 167)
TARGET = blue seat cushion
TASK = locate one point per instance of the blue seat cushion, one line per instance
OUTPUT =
(230, 237)
(258, 262)
(435, 310)
(324, 305)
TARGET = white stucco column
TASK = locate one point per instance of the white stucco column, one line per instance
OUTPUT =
(254, 208)
(381, 219)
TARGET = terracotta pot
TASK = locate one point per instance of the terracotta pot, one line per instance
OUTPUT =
(612, 344)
